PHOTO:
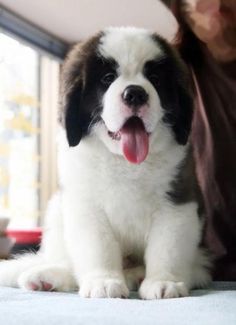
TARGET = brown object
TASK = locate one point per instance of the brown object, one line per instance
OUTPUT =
(212, 59)
(6, 243)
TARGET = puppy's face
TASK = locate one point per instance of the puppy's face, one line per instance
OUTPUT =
(125, 85)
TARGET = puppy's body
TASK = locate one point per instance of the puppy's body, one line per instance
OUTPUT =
(109, 209)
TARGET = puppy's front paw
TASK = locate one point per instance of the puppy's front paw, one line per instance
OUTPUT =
(103, 287)
(154, 289)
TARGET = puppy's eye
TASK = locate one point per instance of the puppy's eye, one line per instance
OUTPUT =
(154, 79)
(108, 78)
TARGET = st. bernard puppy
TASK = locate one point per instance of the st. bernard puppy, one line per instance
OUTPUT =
(128, 194)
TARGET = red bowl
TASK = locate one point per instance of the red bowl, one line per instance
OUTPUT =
(25, 237)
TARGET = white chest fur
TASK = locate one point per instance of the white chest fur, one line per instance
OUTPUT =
(127, 195)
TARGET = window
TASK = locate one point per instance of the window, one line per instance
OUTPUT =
(28, 112)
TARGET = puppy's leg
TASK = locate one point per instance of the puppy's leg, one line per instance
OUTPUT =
(47, 269)
(54, 270)
(10, 270)
(95, 253)
(202, 267)
(171, 249)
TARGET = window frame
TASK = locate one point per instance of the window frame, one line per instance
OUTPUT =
(49, 48)
(32, 34)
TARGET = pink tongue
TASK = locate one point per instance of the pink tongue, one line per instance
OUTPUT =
(134, 140)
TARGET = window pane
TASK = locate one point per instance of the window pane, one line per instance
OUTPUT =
(19, 132)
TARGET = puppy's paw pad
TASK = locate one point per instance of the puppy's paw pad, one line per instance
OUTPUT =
(36, 281)
(97, 287)
(45, 278)
(153, 289)
(39, 285)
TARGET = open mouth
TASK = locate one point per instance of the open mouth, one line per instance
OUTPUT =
(134, 140)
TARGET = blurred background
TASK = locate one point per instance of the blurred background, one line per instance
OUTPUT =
(34, 39)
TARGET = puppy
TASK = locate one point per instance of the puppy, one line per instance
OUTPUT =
(128, 189)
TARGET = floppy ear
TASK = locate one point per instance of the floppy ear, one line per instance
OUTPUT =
(175, 91)
(184, 101)
(71, 115)
(71, 94)
(178, 107)
(77, 109)
(184, 107)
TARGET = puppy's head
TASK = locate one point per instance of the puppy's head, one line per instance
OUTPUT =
(123, 85)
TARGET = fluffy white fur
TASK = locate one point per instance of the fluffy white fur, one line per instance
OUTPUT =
(109, 209)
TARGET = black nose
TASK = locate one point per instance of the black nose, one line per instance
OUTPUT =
(134, 96)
